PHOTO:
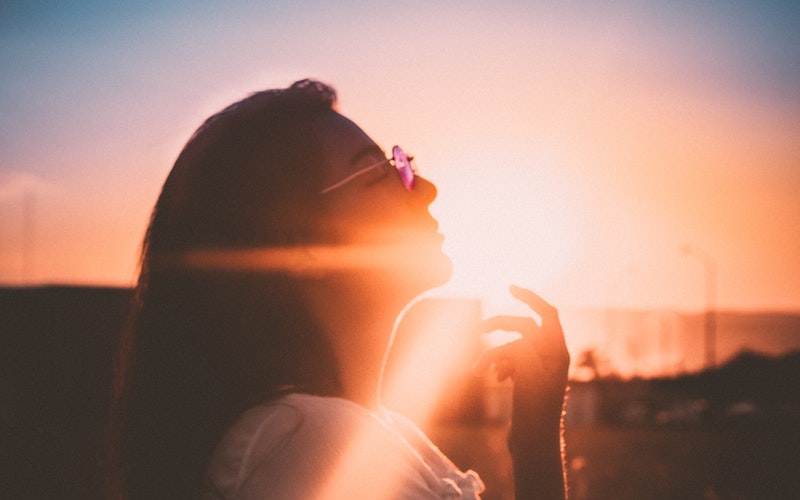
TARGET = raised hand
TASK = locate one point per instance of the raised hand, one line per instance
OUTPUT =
(538, 363)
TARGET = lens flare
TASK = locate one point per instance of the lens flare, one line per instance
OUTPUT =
(428, 366)
(435, 343)
(310, 259)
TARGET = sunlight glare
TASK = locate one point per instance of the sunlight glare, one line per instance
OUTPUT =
(435, 343)
(525, 223)
(299, 260)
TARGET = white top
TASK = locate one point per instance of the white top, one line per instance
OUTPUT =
(312, 447)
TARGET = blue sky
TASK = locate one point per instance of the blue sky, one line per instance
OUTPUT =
(638, 127)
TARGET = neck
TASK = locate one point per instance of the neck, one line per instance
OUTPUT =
(358, 317)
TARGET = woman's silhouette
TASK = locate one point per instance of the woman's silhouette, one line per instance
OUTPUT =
(282, 248)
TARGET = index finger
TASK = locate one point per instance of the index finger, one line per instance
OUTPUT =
(544, 309)
(519, 324)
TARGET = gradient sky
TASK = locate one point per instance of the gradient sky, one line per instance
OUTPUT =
(576, 147)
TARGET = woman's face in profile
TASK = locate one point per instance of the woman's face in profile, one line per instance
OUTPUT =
(371, 208)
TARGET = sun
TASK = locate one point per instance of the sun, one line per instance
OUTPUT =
(522, 224)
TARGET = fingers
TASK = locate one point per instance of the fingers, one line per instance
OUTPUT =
(502, 366)
(505, 360)
(540, 306)
(551, 324)
(540, 350)
(489, 358)
(522, 324)
(527, 326)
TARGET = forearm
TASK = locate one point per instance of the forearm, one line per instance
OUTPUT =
(537, 451)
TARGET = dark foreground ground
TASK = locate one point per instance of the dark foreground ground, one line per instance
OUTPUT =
(56, 347)
(607, 463)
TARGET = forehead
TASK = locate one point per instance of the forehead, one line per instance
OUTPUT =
(344, 145)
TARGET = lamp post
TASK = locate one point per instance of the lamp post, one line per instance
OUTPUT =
(711, 302)
(28, 233)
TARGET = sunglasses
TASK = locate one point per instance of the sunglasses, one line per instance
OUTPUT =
(401, 162)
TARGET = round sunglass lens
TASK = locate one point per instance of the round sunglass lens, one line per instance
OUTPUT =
(404, 168)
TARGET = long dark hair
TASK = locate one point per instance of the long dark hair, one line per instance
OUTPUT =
(207, 342)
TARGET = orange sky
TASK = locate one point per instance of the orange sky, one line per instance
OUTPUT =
(575, 149)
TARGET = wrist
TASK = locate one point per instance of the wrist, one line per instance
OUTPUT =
(537, 425)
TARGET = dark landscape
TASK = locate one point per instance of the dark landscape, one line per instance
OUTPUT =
(731, 432)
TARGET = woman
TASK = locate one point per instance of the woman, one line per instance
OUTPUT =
(280, 252)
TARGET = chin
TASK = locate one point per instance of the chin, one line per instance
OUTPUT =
(432, 270)
(415, 268)
(445, 269)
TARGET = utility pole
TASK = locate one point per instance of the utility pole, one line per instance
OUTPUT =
(28, 233)
(710, 326)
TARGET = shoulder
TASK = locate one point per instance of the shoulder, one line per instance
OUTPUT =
(287, 443)
(293, 419)
(303, 446)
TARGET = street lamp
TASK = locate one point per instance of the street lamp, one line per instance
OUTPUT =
(711, 301)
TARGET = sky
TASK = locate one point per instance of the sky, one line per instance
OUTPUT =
(577, 147)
